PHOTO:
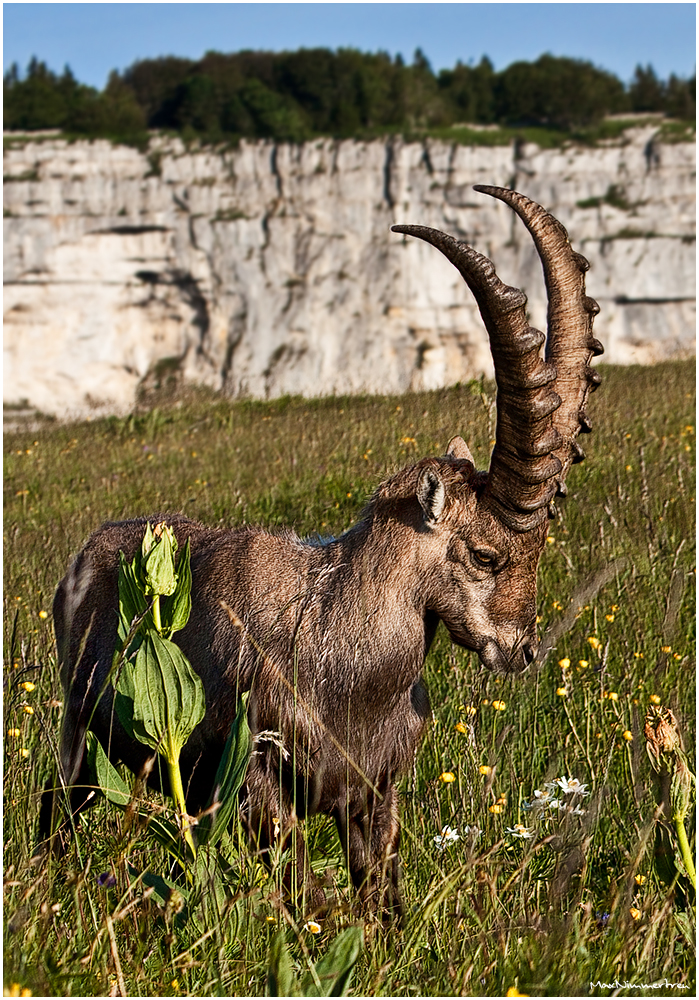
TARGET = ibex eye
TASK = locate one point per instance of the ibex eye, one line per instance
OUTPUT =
(484, 557)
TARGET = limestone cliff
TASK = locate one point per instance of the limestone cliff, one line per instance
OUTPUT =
(271, 269)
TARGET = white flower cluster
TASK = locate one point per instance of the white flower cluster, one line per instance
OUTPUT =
(546, 799)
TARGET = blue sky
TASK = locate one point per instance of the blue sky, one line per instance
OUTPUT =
(94, 38)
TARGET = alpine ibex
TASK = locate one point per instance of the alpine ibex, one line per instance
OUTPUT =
(330, 636)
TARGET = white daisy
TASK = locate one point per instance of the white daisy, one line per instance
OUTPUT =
(571, 786)
(447, 836)
(518, 830)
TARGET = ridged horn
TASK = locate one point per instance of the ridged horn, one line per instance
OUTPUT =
(537, 422)
(523, 470)
(570, 345)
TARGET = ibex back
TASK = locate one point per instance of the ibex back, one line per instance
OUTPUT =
(329, 637)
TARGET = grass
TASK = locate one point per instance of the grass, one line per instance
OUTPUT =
(584, 900)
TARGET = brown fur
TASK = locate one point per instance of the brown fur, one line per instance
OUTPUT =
(329, 638)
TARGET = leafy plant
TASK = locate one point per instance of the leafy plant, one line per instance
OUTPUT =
(329, 977)
(159, 698)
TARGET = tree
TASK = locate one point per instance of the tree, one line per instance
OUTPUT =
(560, 92)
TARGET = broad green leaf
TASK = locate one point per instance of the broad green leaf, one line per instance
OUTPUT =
(280, 974)
(124, 696)
(175, 609)
(230, 775)
(334, 970)
(165, 694)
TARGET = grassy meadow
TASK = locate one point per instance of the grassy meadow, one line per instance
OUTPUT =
(588, 897)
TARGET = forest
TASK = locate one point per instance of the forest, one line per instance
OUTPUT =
(294, 96)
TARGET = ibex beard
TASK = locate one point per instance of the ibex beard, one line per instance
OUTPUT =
(329, 637)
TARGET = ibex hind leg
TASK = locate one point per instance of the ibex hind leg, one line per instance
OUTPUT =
(272, 827)
(72, 786)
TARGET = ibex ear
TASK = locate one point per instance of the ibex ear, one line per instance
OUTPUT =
(457, 448)
(431, 494)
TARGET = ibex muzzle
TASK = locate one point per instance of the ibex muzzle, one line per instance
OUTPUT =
(330, 637)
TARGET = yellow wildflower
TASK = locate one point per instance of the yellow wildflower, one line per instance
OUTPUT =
(28, 710)
(594, 642)
(640, 879)
(497, 808)
(666, 649)
(514, 992)
(583, 663)
(564, 663)
(447, 777)
(24, 753)
(654, 699)
(14, 732)
(610, 618)
(484, 769)
(470, 710)
(460, 727)
(562, 692)
(499, 706)
(613, 696)
(28, 686)
(312, 927)
(550, 539)
(627, 735)
(43, 614)
(635, 913)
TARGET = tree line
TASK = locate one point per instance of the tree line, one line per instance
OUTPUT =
(293, 96)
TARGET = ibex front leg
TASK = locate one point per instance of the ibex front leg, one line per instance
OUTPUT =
(370, 839)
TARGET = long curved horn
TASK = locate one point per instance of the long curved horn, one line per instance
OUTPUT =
(533, 448)
(570, 345)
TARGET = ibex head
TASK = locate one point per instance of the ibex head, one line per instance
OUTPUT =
(492, 525)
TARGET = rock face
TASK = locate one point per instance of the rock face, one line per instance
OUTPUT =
(271, 269)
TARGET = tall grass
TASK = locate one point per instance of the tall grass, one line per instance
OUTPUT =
(584, 899)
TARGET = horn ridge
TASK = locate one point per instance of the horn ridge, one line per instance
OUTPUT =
(525, 400)
(570, 345)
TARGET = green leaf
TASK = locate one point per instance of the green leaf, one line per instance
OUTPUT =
(164, 695)
(124, 697)
(159, 561)
(132, 603)
(175, 609)
(230, 776)
(280, 974)
(334, 970)
(106, 775)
